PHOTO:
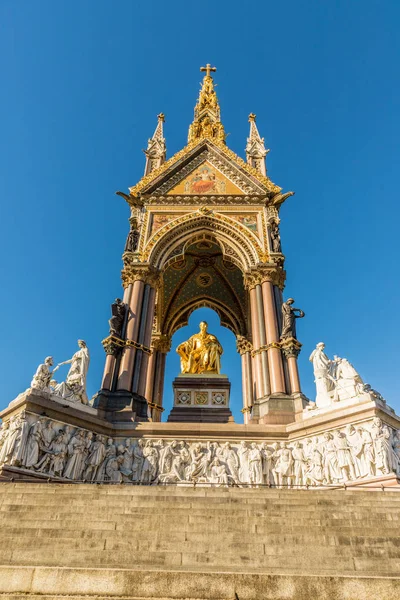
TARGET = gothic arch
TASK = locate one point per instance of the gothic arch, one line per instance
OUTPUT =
(180, 318)
(237, 244)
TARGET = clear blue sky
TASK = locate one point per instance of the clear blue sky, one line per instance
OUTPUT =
(82, 83)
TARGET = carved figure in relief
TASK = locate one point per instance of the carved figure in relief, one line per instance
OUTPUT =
(344, 456)
(127, 453)
(42, 377)
(356, 444)
(201, 353)
(96, 457)
(113, 469)
(57, 455)
(315, 467)
(138, 460)
(382, 445)
(323, 378)
(299, 464)
(116, 323)
(368, 453)
(284, 465)
(289, 316)
(76, 452)
(396, 450)
(167, 456)
(34, 442)
(255, 465)
(218, 473)
(17, 439)
(230, 458)
(110, 452)
(243, 454)
(74, 387)
(48, 433)
(150, 463)
(266, 455)
(3, 439)
(332, 471)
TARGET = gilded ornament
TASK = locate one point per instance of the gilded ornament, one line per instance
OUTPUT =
(201, 353)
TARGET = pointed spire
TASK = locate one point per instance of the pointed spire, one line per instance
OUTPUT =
(156, 148)
(207, 121)
(255, 148)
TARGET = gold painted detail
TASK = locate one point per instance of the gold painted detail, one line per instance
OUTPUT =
(243, 345)
(112, 344)
(145, 181)
(161, 343)
(201, 353)
(204, 211)
(133, 344)
(201, 398)
(133, 271)
(155, 406)
(291, 347)
(207, 120)
(271, 273)
(246, 409)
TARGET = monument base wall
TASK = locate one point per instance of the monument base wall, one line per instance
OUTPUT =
(171, 542)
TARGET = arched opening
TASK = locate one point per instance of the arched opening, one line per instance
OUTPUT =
(230, 360)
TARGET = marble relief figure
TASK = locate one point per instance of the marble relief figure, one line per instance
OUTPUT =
(201, 353)
(353, 453)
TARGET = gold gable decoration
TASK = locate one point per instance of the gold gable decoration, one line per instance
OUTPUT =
(145, 181)
(207, 120)
(205, 180)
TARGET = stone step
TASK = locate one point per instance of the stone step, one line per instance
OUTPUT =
(299, 563)
(127, 584)
(147, 538)
(300, 496)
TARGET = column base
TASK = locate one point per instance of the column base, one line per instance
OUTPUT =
(277, 409)
(121, 405)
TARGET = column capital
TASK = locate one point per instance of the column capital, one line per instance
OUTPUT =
(112, 345)
(133, 271)
(290, 347)
(243, 345)
(161, 343)
(271, 273)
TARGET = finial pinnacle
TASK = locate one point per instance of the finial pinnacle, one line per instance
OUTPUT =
(252, 117)
(208, 68)
(207, 121)
(161, 117)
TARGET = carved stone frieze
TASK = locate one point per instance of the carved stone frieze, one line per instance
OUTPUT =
(356, 452)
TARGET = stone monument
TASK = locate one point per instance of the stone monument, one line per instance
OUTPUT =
(203, 231)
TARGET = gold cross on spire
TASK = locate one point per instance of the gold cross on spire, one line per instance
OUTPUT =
(208, 68)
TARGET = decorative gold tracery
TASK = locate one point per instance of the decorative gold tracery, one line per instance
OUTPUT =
(244, 243)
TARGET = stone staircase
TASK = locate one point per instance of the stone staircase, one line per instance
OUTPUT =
(62, 541)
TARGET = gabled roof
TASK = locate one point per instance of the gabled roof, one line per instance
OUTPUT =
(171, 168)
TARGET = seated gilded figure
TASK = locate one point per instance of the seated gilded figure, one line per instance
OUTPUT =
(201, 353)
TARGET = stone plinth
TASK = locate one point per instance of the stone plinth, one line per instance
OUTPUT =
(201, 398)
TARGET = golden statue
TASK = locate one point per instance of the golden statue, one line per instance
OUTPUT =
(201, 353)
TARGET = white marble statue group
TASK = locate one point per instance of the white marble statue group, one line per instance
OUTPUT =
(58, 450)
(74, 386)
(336, 379)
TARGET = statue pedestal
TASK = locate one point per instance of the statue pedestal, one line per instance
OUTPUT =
(201, 399)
